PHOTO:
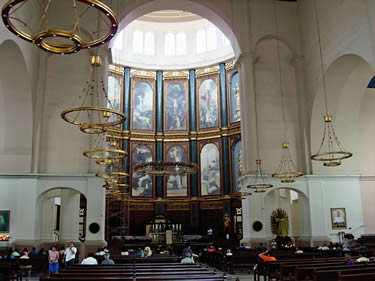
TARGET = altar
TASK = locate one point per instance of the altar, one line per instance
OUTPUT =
(163, 231)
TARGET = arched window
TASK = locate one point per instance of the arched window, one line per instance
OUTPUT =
(149, 46)
(170, 44)
(138, 42)
(201, 41)
(211, 39)
(180, 44)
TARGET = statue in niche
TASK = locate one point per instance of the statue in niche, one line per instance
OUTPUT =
(210, 170)
(237, 113)
(280, 222)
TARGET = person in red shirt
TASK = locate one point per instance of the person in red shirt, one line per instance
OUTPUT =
(265, 256)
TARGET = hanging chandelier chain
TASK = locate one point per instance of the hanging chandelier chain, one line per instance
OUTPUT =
(76, 25)
(280, 73)
(44, 16)
(321, 56)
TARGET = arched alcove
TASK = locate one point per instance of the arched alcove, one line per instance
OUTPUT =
(60, 212)
(346, 82)
(16, 116)
(296, 204)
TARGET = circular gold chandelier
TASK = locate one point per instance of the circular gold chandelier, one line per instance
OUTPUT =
(160, 168)
(112, 176)
(331, 152)
(93, 116)
(42, 30)
(286, 171)
(258, 183)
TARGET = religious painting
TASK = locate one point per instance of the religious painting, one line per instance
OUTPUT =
(338, 218)
(114, 93)
(4, 221)
(208, 104)
(236, 164)
(210, 170)
(143, 105)
(176, 115)
(176, 184)
(235, 98)
(141, 183)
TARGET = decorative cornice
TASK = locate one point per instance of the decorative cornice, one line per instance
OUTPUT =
(116, 69)
(143, 74)
(207, 71)
(176, 75)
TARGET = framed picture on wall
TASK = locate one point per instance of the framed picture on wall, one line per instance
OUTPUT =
(338, 218)
(4, 221)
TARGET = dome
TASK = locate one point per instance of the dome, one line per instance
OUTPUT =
(170, 40)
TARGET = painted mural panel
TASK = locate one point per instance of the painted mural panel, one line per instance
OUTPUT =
(208, 104)
(176, 184)
(236, 152)
(142, 107)
(176, 114)
(210, 170)
(235, 98)
(114, 93)
(141, 183)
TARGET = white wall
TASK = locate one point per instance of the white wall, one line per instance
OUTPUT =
(322, 194)
(27, 198)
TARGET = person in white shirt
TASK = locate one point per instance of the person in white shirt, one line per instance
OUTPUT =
(25, 255)
(323, 248)
(90, 259)
(70, 254)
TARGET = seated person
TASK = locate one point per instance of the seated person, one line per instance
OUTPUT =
(266, 256)
(348, 260)
(147, 252)
(107, 260)
(362, 258)
(324, 247)
(99, 252)
(25, 255)
(33, 251)
(187, 259)
(90, 259)
(16, 253)
(298, 251)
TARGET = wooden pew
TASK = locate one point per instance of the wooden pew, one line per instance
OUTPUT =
(357, 277)
(333, 273)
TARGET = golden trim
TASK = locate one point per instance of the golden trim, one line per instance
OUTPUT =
(175, 75)
(175, 140)
(143, 74)
(207, 71)
(229, 65)
(116, 69)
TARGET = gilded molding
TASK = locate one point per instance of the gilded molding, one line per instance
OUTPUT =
(229, 65)
(176, 75)
(207, 71)
(143, 74)
(116, 69)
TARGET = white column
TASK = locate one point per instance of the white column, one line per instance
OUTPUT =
(248, 116)
(303, 113)
(38, 112)
(95, 209)
(69, 215)
(47, 226)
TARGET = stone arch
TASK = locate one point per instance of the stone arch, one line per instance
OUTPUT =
(212, 14)
(16, 111)
(69, 205)
(299, 211)
(276, 37)
(346, 82)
